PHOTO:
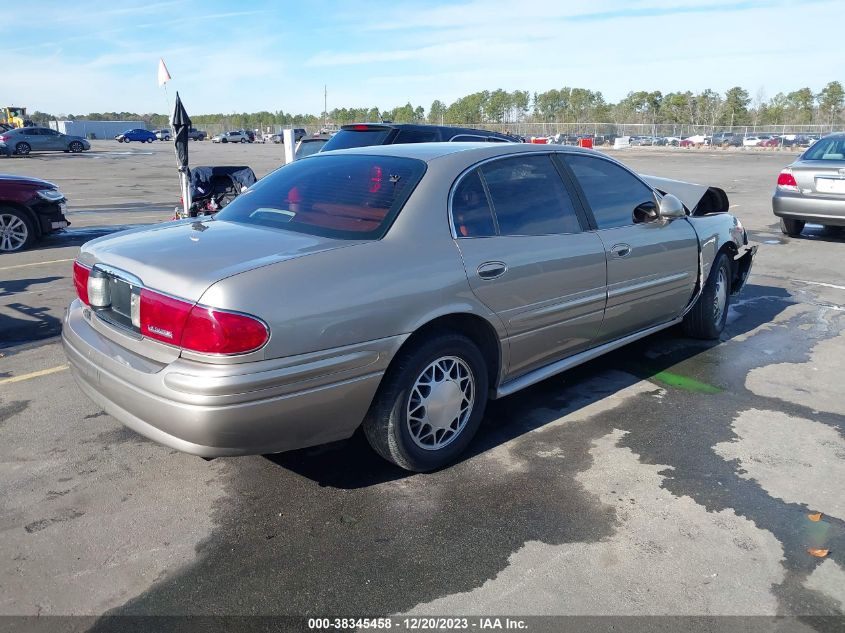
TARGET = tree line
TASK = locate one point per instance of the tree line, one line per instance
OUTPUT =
(566, 105)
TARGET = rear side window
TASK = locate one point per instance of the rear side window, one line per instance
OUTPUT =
(612, 191)
(416, 136)
(471, 211)
(343, 197)
(357, 138)
(529, 197)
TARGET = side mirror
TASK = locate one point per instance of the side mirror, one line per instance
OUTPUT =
(670, 208)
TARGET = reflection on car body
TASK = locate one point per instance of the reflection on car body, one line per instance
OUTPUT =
(395, 287)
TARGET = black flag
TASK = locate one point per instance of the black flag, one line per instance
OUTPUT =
(181, 126)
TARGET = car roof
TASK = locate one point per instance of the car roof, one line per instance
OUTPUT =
(431, 151)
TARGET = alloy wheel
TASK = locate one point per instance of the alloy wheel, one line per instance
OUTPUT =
(13, 232)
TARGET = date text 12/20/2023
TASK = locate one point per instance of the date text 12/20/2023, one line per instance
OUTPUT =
(417, 624)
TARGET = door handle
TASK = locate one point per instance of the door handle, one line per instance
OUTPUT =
(621, 250)
(491, 270)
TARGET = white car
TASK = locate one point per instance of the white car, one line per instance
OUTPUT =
(162, 135)
(751, 141)
(230, 137)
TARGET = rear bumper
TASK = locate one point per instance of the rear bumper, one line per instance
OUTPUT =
(215, 410)
(819, 210)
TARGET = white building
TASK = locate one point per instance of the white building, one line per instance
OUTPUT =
(99, 129)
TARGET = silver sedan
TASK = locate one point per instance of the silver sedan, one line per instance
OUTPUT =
(812, 189)
(398, 288)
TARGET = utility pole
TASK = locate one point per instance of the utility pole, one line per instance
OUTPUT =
(325, 106)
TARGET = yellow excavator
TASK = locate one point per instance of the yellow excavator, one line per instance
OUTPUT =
(14, 116)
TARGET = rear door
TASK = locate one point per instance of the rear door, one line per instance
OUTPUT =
(34, 138)
(652, 264)
(528, 257)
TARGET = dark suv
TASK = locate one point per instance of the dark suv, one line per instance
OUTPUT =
(726, 139)
(365, 134)
(29, 209)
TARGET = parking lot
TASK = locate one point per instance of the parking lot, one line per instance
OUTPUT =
(671, 477)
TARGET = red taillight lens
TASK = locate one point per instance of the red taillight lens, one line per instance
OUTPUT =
(199, 328)
(360, 128)
(80, 280)
(217, 332)
(787, 181)
(163, 318)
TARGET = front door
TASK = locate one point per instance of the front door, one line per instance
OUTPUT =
(528, 258)
(652, 264)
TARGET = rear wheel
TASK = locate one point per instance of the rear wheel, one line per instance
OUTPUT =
(790, 227)
(430, 403)
(150, 140)
(75, 147)
(22, 149)
(16, 231)
(243, 140)
(707, 318)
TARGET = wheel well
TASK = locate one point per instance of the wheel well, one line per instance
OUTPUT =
(730, 249)
(33, 218)
(475, 328)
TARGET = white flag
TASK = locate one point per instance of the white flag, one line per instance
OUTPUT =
(163, 75)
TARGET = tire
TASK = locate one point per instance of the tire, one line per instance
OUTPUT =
(243, 140)
(16, 230)
(125, 140)
(792, 228)
(223, 140)
(150, 140)
(166, 138)
(76, 147)
(397, 425)
(23, 149)
(707, 318)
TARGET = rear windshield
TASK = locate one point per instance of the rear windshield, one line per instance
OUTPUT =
(357, 138)
(343, 197)
(826, 149)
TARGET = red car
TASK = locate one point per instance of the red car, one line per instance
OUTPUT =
(29, 209)
(770, 142)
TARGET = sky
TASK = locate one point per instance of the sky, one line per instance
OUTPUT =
(256, 55)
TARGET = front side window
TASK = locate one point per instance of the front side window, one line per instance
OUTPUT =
(529, 197)
(612, 191)
(352, 197)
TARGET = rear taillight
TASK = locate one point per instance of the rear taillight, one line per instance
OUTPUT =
(217, 332)
(80, 280)
(360, 128)
(199, 328)
(4, 138)
(161, 317)
(787, 181)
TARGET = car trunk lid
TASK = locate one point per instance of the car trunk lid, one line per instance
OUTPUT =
(826, 177)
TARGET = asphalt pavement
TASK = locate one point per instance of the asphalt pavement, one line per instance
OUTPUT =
(671, 477)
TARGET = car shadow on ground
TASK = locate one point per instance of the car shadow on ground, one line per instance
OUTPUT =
(815, 232)
(352, 464)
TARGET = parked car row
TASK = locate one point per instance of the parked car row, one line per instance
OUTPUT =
(142, 135)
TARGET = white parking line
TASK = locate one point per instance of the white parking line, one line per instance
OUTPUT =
(52, 261)
(35, 374)
(819, 283)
